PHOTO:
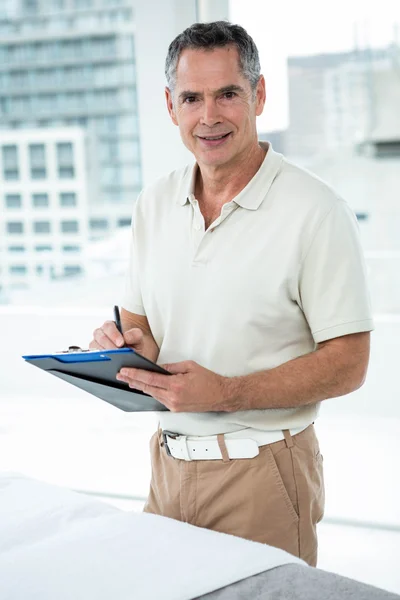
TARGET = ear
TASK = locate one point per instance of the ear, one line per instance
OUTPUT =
(260, 96)
(170, 105)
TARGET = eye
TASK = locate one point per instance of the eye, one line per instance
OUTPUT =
(229, 95)
(190, 99)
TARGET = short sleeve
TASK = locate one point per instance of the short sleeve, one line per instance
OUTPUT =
(132, 298)
(333, 289)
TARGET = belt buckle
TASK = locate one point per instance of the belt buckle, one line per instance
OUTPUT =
(164, 436)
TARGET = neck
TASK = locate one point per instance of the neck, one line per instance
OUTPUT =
(227, 181)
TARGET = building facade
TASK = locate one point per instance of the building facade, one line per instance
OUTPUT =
(68, 63)
(44, 222)
(335, 100)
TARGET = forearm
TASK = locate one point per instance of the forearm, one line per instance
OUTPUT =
(325, 373)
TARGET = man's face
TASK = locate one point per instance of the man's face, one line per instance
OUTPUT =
(214, 107)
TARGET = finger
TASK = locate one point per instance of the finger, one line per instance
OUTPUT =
(179, 367)
(156, 393)
(95, 346)
(103, 341)
(110, 330)
(139, 376)
(133, 336)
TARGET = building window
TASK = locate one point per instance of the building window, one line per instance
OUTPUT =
(10, 162)
(110, 176)
(98, 224)
(41, 227)
(68, 199)
(108, 124)
(83, 3)
(18, 269)
(72, 270)
(15, 227)
(71, 248)
(37, 155)
(40, 200)
(13, 201)
(69, 226)
(43, 248)
(65, 160)
(16, 249)
(124, 222)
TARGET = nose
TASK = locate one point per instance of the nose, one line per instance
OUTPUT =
(210, 115)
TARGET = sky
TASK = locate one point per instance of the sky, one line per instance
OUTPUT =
(288, 27)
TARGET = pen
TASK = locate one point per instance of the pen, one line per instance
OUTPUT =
(117, 320)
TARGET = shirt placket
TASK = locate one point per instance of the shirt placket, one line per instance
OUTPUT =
(199, 235)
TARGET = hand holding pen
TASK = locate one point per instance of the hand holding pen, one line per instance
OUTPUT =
(110, 336)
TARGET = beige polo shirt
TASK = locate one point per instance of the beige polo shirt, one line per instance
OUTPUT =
(280, 270)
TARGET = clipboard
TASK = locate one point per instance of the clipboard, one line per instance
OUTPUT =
(94, 371)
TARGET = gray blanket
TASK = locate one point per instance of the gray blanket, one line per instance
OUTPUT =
(295, 582)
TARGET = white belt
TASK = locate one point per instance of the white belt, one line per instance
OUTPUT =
(207, 448)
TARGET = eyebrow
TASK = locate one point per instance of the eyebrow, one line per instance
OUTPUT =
(223, 90)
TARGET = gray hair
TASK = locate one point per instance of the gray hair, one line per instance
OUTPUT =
(208, 36)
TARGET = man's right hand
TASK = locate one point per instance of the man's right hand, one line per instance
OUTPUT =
(107, 337)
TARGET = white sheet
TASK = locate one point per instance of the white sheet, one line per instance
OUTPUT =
(58, 544)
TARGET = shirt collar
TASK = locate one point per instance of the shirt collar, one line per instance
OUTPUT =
(255, 191)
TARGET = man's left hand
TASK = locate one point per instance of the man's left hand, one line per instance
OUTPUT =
(190, 388)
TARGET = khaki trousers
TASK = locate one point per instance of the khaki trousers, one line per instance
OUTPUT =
(276, 498)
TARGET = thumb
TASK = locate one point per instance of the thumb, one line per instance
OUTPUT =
(133, 336)
(179, 367)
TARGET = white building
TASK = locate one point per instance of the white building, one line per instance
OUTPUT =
(44, 207)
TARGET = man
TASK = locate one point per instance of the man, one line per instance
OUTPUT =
(247, 279)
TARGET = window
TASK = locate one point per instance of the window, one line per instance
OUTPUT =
(37, 156)
(19, 79)
(40, 200)
(65, 160)
(46, 103)
(21, 105)
(73, 101)
(10, 162)
(4, 106)
(30, 6)
(18, 269)
(66, 172)
(83, 3)
(13, 201)
(41, 227)
(68, 199)
(98, 224)
(69, 226)
(43, 248)
(110, 176)
(108, 124)
(15, 227)
(109, 150)
(71, 248)
(72, 270)
(45, 77)
(124, 222)
(16, 249)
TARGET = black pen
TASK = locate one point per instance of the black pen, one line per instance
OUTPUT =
(117, 320)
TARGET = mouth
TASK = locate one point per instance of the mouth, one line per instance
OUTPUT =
(214, 140)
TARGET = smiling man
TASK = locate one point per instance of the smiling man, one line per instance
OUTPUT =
(247, 282)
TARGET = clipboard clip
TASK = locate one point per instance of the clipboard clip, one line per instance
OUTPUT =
(72, 349)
